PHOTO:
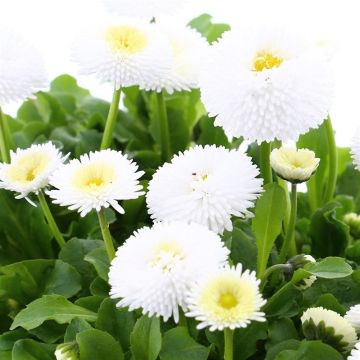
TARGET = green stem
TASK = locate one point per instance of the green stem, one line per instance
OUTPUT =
(111, 120)
(290, 233)
(265, 168)
(106, 235)
(270, 270)
(333, 162)
(229, 344)
(164, 128)
(50, 220)
(4, 146)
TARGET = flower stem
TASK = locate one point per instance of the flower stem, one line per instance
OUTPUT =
(4, 145)
(164, 127)
(111, 120)
(290, 233)
(333, 161)
(106, 235)
(270, 270)
(265, 168)
(50, 220)
(229, 344)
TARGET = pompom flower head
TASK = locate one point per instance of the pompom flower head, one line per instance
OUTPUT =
(206, 185)
(188, 49)
(146, 9)
(295, 166)
(266, 83)
(30, 169)
(228, 298)
(22, 71)
(355, 353)
(98, 180)
(156, 266)
(123, 51)
(353, 316)
(328, 326)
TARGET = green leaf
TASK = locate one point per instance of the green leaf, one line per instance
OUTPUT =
(49, 332)
(329, 301)
(178, 345)
(76, 326)
(27, 349)
(330, 268)
(8, 339)
(96, 344)
(50, 307)
(145, 339)
(290, 344)
(68, 85)
(211, 134)
(267, 223)
(281, 330)
(99, 258)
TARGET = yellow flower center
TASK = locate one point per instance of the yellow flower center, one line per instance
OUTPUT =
(228, 301)
(166, 255)
(27, 168)
(126, 39)
(93, 177)
(266, 60)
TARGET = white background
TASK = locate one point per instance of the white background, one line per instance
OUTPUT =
(51, 24)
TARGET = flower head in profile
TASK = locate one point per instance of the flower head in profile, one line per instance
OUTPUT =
(147, 9)
(123, 51)
(22, 71)
(353, 221)
(227, 298)
(329, 327)
(67, 351)
(353, 316)
(206, 185)
(265, 84)
(293, 165)
(29, 169)
(298, 262)
(188, 49)
(156, 266)
(98, 180)
(355, 353)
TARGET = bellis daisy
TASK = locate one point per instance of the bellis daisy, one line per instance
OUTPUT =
(98, 180)
(188, 48)
(29, 169)
(306, 282)
(353, 316)
(328, 326)
(22, 71)
(206, 185)
(155, 267)
(265, 84)
(123, 51)
(355, 149)
(228, 298)
(293, 165)
(67, 351)
(355, 353)
(147, 9)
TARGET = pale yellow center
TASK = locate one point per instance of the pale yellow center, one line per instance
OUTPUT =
(126, 39)
(300, 159)
(227, 301)
(166, 254)
(266, 60)
(27, 168)
(94, 177)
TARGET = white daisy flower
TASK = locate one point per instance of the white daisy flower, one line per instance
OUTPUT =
(29, 169)
(328, 326)
(353, 316)
(206, 185)
(265, 84)
(293, 165)
(355, 353)
(146, 9)
(307, 282)
(123, 51)
(22, 71)
(156, 266)
(355, 149)
(98, 180)
(228, 298)
(188, 49)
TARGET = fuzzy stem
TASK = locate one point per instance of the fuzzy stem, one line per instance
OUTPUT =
(229, 344)
(333, 162)
(106, 235)
(265, 168)
(50, 220)
(290, 233)
(164, 127)
(111, 120)
(4, 146)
